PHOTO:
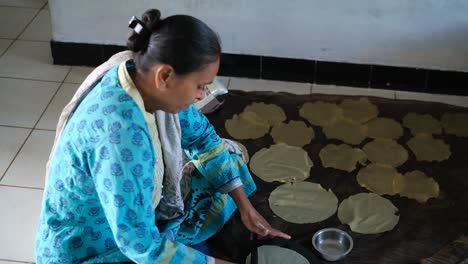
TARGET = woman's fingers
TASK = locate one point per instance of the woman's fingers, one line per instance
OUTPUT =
(266, 230)
(276, 233)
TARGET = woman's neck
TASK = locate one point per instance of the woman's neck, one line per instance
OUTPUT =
(143, 83)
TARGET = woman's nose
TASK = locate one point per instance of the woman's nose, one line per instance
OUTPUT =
(201, 94)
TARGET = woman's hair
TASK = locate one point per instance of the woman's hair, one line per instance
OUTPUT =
(184, 42)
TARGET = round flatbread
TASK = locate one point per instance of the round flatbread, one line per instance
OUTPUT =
(270, 113)
(246, 125)
(426, 148)
(455, 124)
(416, 185)
(360, 110)
(368, 213)
(384, 128)
(386, 151)
(303, 202)
(422, 124)
(294, 133)
(380, 179)
(320, 113)
(268, 254)
(281, 163)
(347, 131)
(342, 157)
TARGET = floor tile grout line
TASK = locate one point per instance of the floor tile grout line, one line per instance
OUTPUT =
(32, 130)
(28, 79)
(16, 155)
(20, 187)
(9, 46)
(21, 33)
(15, 126)
(25, 7)
(66, 76)
(45, 129)
(47, 106)
(32, 40)
(30, 22)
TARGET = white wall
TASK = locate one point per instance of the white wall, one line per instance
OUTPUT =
(416, 33)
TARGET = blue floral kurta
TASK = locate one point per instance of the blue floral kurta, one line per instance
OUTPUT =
(97, 203)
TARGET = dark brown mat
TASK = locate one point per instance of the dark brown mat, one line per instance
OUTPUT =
(423, 229)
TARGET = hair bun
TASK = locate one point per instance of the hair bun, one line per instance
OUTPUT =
(136, 42)
(151, 18)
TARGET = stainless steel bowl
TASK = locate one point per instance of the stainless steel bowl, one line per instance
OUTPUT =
(332, 243)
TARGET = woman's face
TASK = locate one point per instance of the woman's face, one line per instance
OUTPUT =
(182, 91)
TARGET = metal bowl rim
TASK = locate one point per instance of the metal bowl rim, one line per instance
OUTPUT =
(319, 232)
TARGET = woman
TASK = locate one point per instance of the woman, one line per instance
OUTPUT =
(118, 187)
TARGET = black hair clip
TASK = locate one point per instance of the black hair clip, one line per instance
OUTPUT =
(138, 26)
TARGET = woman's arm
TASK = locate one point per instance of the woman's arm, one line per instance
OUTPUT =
(221, 168)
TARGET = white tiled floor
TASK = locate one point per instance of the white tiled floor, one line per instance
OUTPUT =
(52, 114)
(32, 95)
(4, 43)
(35, 154)
(14, 20)
(39, 29)
(18, 225)
(78, 74)
(23, 101)
(23, 3)
(31, 60)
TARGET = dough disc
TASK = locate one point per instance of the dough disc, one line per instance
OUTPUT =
(425, 147)
(360, 110)
(384, 128)
(268, 254)
(386, 151)
(342, 157)
(246, 125)
(416, 185)
(422, 124)
(270, 113)
(380, 179)
(294, 133)
(456, 124)
(281, 163)
(303, 202)
(368, 213)
(320, 113)
(346, 131)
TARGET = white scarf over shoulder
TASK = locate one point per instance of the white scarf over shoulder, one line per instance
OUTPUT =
(171, 204)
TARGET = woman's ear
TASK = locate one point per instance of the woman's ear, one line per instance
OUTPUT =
(163, 75)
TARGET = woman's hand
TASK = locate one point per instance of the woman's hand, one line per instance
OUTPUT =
(258, 225)
(252, 220)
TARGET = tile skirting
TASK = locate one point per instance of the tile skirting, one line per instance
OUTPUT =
(295, 70)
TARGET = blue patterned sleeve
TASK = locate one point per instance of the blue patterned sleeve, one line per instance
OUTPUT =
(208, 152)
(123, 171)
